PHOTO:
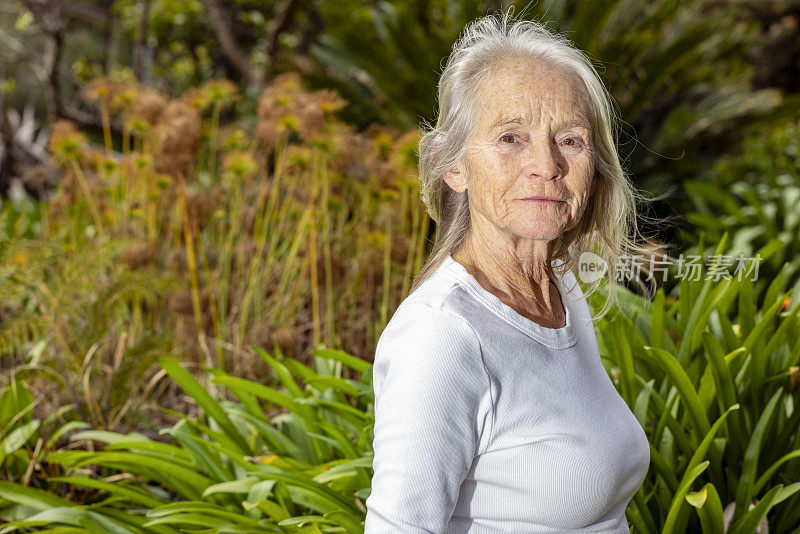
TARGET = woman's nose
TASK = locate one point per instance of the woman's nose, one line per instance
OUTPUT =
(543, 160)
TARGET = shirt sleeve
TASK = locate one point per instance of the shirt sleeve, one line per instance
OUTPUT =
(432, 403)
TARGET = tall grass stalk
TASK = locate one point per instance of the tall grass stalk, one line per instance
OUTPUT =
(326, 244)
(294, 300)
(190, 256)
(217, 311)
(422, 237)
(290, 248)
(212, 142)
(88, 394)
(122, 188)
(267, 192)
(48, 310)
(109, 144)
(228, 248)
(387, 268)
(312, 249)
(290, 269)
(357, 288)
(412, 249)
(151, 207)
(98, 220)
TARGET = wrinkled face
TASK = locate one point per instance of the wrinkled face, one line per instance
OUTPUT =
(532, 139)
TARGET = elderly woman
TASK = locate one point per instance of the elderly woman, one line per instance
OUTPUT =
(493, 410)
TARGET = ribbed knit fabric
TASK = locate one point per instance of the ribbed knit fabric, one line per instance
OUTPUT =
(486, 422)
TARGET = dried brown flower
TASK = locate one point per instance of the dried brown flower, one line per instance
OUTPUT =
(101, 89)
(177, 139)
(177, 260)
(284, 337)
(200, 206)
(286, 106)
(349, 152)
(137, 255)
(222, 92)
(399, 248)
(181, 302)
(67, 144)
(40, 178)
(149, 105)
(248, 219)
(338, 266)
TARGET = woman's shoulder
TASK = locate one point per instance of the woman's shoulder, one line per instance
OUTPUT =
(432, 302)
(428, 324)
(428, 342)
(433, 320)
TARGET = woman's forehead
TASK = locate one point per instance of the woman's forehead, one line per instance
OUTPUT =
(526, 94)
(524, 75)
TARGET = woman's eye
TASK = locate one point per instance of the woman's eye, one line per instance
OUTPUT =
(573, 141)
(576, 141)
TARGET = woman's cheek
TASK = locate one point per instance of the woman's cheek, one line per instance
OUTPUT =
(508, 154)
(507, 162)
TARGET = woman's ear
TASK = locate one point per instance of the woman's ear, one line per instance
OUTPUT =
(456, 179)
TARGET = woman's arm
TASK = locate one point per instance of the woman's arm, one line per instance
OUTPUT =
(432, 401)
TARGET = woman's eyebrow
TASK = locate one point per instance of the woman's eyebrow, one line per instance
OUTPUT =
(575, 122)
(502, 121)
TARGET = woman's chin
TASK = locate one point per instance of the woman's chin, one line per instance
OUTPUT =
(541, 232)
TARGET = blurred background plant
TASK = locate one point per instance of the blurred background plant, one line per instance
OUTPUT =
(692, 77)
(305, 232)
(711, 376)
(754, 196)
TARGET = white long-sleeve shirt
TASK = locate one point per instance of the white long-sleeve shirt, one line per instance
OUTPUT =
(486, 422)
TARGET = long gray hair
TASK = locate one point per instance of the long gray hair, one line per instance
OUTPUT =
(608, 226)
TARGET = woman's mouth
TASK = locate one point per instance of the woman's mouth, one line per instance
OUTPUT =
(542, 199)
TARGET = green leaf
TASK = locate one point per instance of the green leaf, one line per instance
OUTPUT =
(109, 437)
(129, 491)
(30, 497)
(748, 522)
(764, 478)
(199, 509)
(678, 498)
(709, 508)
(203, 399)
(242, 485)
(339, 384)
(17, 438)
(349, 360)
(681, 381)
(334, 499)
(185, 480)
(283, 373)
(348, 521)
(745, 491)
(165, 451)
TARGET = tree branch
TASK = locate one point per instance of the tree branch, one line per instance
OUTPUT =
(221, 25)
(48, 16)
(141, 40)
(281, 21)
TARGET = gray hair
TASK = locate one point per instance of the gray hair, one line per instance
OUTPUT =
(609, 223)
